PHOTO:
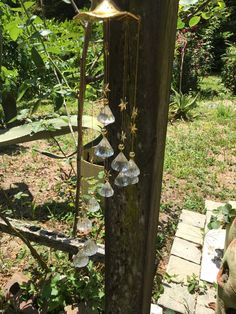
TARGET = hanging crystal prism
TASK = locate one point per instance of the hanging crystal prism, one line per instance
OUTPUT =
(84, 225)
(106, 190)
(121, 180)
(133, 180)
(106, 116)
(90, 248)
(104, 149)
(120, 163)
(133, 170)
(80, 259)
(93, 205)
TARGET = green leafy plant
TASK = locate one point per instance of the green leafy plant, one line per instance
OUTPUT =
(182, 105)
(40, 59)
(64, 285)
(225, 112)
(229, 68)
(199, 22)
(196, 286)
(170, 312)
(223, 216)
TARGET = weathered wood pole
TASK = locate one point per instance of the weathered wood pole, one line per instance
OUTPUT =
(131, 216)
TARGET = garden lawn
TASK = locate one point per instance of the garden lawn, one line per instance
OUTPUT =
(200, 164)
(200, 161)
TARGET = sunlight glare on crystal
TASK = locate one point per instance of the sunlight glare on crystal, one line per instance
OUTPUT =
(80, 260)
(84, 225)
(106, 116)
(120, 163)
(133, 170)
(106, 190)
(90, 248)
(121, 180)
(93, 205)
(104, 149)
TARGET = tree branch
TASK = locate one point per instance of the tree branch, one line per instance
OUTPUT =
(92, 79)
(81, 96)
(74, 6)
(56, 70)
(18, 234)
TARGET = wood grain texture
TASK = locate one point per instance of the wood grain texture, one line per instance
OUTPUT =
(132, 214)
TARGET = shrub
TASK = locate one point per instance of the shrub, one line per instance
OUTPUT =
(229, 68)
(193, 59)
(181, 106)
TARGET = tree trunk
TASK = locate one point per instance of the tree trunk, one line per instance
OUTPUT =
(9, 107)
(132, 213)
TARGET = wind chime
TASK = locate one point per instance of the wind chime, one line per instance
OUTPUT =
(126, 168)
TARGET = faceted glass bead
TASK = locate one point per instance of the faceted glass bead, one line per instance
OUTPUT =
(133, 180)
(106, 190)
(121, 180)
(93, 205)
(120, 163)
(80, 259)
(106, 116)
(84, 225)
(90, 248)
(104, 149)
(133, 170)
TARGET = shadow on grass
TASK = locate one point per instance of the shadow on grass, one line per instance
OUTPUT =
(18, 203)
(12, 150)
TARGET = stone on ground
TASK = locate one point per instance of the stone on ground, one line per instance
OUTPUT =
(177, 298)
(189, 233)
(212, 254)
(187, 250)
(155, 309)
(179, 269)
(211, 205)
(191, 218)
(203, 301)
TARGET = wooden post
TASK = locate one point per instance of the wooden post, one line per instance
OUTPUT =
(131, 216)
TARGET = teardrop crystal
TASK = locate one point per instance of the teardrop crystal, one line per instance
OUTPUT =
(106, 116)
(104, 149)
(121, 180)
(106, 190)
(80, 259)
(90, 248)
(133, 180)
(120, 163)
(93, 205)
(133, 170)
(84, 225)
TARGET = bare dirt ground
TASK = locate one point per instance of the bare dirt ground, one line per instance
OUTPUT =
(37, 178)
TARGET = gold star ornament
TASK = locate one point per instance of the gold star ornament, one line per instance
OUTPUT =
(123, 105)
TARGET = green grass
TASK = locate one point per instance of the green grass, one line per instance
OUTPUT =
(213, 87)
(200, 164)
(200, 159)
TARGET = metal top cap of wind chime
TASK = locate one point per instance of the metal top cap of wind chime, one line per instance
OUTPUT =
(105, 10)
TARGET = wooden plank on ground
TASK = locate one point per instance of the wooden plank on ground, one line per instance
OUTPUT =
(52, 239)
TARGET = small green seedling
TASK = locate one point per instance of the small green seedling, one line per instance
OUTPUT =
(223, 215)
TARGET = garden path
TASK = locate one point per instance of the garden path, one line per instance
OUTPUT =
(195, 256)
